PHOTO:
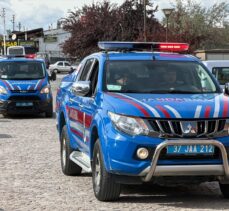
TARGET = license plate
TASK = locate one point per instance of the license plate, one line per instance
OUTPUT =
(190, 149)
(24, 104)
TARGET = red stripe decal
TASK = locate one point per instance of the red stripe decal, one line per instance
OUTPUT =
(225, 106)
(40, 84)
(207, 112)
(76, 132)
(15, 87)
(32, 87)
(8, 86)
(80, 117)
(88, 120)
(166, 113)
(136, 105)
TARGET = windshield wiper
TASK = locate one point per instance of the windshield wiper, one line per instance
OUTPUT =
(173, 92)
(127, 91)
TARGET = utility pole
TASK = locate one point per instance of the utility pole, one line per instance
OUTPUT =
(3, 15)
(19, 26)
(144, 30)
(13, 22)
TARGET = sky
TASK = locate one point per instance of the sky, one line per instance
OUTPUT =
(34, 14)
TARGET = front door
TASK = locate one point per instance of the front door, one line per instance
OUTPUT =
(76, 114)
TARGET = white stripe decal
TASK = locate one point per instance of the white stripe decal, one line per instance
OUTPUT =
(10, 85)
(154, 111)
(19, 87)
(76, 126)
(174, 111)
(37, 84)
(198, 110)
(217, 106)
(28, 87)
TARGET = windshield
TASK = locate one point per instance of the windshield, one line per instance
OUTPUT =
(21, 70)
(158, 77)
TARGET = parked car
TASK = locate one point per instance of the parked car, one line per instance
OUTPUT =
(220, 69)
(133, 117)
(61, 66)
(25, 87)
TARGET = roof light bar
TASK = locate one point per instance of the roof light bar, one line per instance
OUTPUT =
(130, 46)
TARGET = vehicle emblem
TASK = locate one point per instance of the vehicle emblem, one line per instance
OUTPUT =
(189, 128)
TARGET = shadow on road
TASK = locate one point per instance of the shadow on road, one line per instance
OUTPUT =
(193, 197)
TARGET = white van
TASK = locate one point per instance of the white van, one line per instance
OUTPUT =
(16, 51)
(220, 69)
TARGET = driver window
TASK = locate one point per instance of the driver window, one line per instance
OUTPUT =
(94, 78)
(86, 70)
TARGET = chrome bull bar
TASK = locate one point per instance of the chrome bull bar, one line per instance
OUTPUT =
(152, 169)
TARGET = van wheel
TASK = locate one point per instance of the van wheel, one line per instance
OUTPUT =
(104, 185)
(225, 190)
(49, 112)
(69, 168)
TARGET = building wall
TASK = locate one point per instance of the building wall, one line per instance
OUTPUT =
(51, 42)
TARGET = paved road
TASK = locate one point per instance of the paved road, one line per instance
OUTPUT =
(31, 177)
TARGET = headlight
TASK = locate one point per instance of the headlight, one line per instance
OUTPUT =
(130, 125)
(45, 90)
(3, 90)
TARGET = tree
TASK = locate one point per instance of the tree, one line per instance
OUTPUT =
(200, 27)
(103, 21)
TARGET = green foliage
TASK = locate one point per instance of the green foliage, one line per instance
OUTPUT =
(202, 28)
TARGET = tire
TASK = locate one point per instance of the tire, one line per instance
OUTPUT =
(68, 167)
(225, 190)
(5, 115)
(56, 71)
(104, 185)
(49, 112)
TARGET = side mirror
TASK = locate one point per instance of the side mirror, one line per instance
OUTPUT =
(226, 89)
(81, 88)
(53, 76)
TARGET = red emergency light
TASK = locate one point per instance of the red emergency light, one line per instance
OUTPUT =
(30, 56)
(173, 47)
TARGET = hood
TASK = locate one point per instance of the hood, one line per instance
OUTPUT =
(23, 85)
(186, 106)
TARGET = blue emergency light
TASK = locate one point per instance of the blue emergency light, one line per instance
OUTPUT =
(132, 46)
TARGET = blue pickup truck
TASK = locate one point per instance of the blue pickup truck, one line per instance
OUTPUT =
(142, 112)
(24, 87)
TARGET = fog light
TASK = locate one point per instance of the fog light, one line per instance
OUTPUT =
(142, 153)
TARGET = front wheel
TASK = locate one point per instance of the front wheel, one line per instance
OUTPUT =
(225, 190)
(104, 185)
(69, 168)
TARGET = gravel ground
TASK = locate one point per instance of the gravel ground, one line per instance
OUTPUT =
(31, 177)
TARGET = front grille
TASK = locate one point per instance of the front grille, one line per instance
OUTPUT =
(24, 98)
(23, 91)
(187, 128)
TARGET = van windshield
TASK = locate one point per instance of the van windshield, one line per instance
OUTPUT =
(23, 70)
(16, 51)
(158, 77)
